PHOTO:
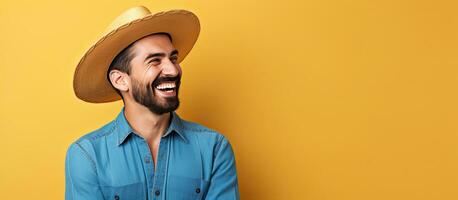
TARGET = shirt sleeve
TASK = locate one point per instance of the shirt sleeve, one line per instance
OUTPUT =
(223, 183)
(81, 181)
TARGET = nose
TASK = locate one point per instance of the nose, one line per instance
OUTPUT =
(170, 69)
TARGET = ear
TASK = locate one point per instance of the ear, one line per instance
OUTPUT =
(120, 80)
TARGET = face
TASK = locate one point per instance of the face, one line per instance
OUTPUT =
(155, 74)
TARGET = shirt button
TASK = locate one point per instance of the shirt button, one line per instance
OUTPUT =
(116, 197)
(146, 159)
(198, 190)
(157, 193)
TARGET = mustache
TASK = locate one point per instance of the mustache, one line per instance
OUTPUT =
(159, 80)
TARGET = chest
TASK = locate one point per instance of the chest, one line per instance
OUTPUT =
(154, 148)
(168, 168)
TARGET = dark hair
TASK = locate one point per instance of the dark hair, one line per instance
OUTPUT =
(122, 61)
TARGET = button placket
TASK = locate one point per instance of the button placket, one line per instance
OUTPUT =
(146, 156)
(159, 175)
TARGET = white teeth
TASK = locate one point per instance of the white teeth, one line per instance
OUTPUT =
(166, 86)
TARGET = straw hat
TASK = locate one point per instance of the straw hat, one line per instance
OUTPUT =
(90, 81)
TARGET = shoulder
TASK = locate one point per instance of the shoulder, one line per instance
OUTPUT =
(194, 129)
(100, 133)
(205, 137)
(85, 144)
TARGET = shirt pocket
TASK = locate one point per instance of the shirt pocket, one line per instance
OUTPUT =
(185, 188)
(133, 191)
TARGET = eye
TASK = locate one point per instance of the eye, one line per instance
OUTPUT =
(155, 61)
(174, 59)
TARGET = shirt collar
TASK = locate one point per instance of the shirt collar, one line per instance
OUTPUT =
(124, 129)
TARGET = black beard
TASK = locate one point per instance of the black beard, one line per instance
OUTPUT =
(145, 95)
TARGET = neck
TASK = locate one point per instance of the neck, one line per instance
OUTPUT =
(149, 125)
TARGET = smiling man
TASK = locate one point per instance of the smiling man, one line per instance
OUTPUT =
(147, 151)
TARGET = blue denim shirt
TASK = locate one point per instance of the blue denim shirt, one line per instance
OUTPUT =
(114, 162)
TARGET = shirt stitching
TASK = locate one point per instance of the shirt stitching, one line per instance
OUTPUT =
(86, 154)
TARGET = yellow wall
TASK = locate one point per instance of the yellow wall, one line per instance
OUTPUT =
(321, 99)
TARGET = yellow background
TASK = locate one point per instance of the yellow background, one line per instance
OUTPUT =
(321, 100)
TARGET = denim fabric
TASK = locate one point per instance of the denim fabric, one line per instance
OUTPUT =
(114, 162)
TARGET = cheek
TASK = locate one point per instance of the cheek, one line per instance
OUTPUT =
(150, 74)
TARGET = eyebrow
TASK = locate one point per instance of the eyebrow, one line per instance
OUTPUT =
(152, 55)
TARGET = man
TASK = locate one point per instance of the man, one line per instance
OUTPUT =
(148, 151)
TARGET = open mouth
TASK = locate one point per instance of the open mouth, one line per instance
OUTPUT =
(166, 88)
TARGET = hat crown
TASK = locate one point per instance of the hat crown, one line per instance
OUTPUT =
(127, 16)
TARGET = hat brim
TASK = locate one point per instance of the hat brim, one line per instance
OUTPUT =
(90, 81)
